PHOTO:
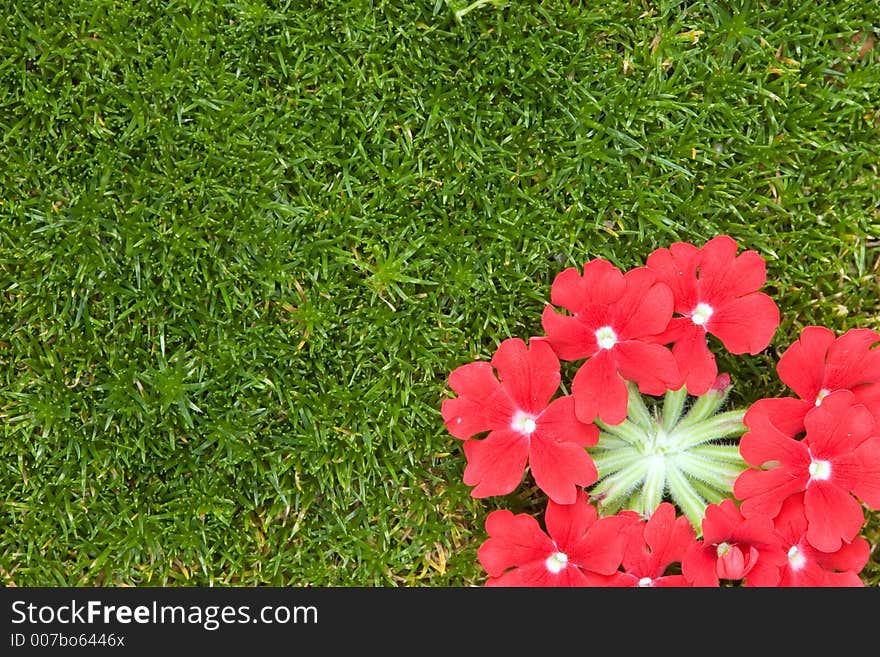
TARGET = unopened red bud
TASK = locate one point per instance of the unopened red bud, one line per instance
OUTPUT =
(722, 383)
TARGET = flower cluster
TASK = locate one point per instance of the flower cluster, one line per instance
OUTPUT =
(679, 494)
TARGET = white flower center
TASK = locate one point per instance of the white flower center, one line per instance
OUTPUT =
(795, 558)
(556, 562)
(523, 422)
(722, 549)
(823, 393)
(819, 469)
(606, 337)
(701, 313)
(645, 581)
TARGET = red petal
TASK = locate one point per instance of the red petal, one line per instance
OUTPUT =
(851, 361)
(559, 468)
(763, 573)
(833, 514)
(531, 576)
(601, 549)
(698, 565)
(837, 426)
(514, 540)
(603, 281)
(667, 536)
(645, 308)
(614, 580)
(720, 520)
(530, 375)
(867, 489)
(495, 464)
(670, 581)
(466, 415)
(637, 555)
(759, 532)
(732, 564)
(749, 273)
(717, 259)
(802, 366)
(560, 423)
(569, 290)
(848, 579)
(851, 556)
(791, 521)
(869, 396)
(696, 363)
(535, 575)
(724, 275)
(764, 491)
(764, 442)
(474, 380)
(677, 267)
(567, 523)
(651, 366)
(745, 324)
(570, 338)
(679, 328)
(599, 391)
(786, 414)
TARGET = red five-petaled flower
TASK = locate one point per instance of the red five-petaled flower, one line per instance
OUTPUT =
(734, 548)
(808, 566)
(579, 548)
(524, 425)
(837, 462)
(653, 546)
(612, 316)
(818, 364)
(715, 291)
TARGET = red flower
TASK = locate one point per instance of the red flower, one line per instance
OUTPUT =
(612, 317)
(734, 548)
(818, 364)
(837, 462)
(654, 545)
(579, 548)
(808, 566)
(524, 425)
(714, 291)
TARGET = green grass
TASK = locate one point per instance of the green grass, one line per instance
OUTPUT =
(242, 244)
